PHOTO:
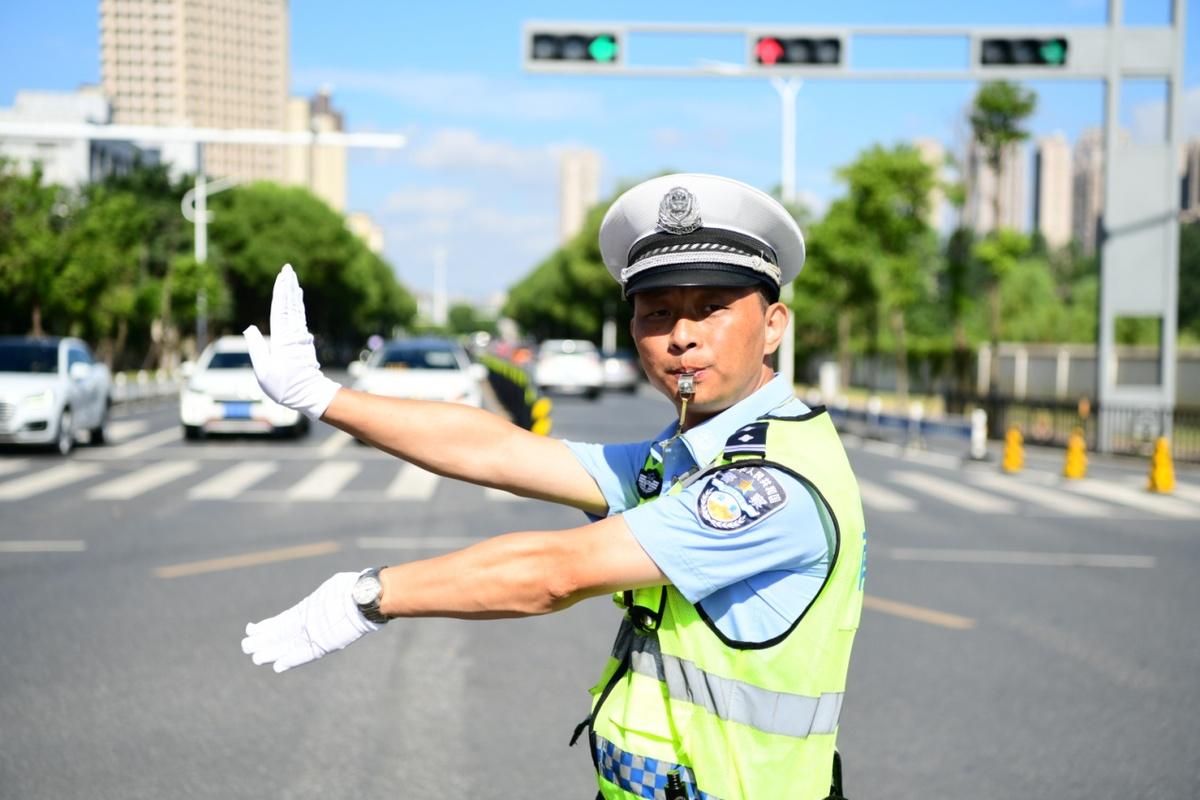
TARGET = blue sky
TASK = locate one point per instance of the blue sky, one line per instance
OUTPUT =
(480, 179)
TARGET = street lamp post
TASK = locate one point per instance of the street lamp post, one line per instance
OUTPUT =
(787, 89)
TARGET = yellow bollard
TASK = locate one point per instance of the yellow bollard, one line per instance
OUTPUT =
(542, 426)
(1014, 451)
(1162, 470)
(1076, 463)
(541, 408)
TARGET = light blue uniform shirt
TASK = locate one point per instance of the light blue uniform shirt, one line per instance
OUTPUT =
(753, 582)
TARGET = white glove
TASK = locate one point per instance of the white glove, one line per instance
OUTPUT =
(325, 621)
(287, 368)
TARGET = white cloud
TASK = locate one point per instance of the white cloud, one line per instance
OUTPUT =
(463, 94)
(461, 149)
(433, 200)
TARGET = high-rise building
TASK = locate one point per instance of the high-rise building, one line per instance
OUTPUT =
(934, 154)
(1052, 192)
(578, 190)
(69, 162)
(1190, 204)
(365, 228)
(321, 168)
(204, 63)
(982, 183)
(1088, 188)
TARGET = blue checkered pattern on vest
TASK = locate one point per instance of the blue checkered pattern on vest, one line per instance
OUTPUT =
(643, 776)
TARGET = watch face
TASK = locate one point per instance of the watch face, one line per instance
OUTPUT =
(366, 590)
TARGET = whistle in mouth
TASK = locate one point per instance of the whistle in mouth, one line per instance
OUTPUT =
(686, 384)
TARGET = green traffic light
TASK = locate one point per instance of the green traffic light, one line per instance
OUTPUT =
(1053, 51)
(603, 48)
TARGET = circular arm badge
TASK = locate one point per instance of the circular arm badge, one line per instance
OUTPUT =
(737, 497)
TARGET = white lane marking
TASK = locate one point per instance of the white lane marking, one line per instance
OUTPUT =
(943, 460)
(1054, 500)
(1135, 498)
(416, 542)
(1184, 491)
(13, 465)
(325, 481)
(136, 446)
(882, 448)
(232, 482)
(45, 546)
(47, 479)
(953, 493)
(413, 483)
(121, 429)
(143, 480)
(501, 496)
(334, 442)
(1022, 558)
(880, 499)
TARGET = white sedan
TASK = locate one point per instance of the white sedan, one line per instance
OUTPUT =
(569, 366)
(223, 396)
(52, 389)
(422, 369)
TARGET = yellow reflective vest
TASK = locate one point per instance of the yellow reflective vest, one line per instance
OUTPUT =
(681, 705)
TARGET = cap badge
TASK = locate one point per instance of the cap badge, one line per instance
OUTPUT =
(678, 212)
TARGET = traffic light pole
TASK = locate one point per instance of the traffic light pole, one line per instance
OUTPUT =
(1139, 251)
(787, 89)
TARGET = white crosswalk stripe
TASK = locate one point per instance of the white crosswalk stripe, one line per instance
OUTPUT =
(143, 480)
(954, 493)
(413, 483)
(1051, 499)
(1140, 499)
(47, 479)
(325, 481)
(232, 482)
(11, 465)
(877, 498)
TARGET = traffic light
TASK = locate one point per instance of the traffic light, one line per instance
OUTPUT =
(593, 48)
(793, 51)
(1023, 52)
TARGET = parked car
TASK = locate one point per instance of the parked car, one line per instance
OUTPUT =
(569, 366)
(423, 369)
(622, 371)
(223, 396)
(52, 389)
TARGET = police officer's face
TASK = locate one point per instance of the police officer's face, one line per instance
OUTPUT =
(721, 335)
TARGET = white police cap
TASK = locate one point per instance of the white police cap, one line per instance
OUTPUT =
(699, 230)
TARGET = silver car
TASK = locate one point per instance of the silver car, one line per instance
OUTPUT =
(51, 390)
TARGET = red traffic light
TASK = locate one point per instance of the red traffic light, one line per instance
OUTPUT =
(768, 50)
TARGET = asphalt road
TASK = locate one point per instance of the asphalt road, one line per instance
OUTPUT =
(1022, 637)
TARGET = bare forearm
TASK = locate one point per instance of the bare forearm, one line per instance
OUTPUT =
(515, 575)
(447, 438)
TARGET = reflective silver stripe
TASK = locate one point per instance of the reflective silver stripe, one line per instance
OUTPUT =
(781, 713)
(756, 263)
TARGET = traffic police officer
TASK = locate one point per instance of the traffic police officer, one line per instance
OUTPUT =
(734, 540)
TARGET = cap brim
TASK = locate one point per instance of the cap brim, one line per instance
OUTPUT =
(674, 275)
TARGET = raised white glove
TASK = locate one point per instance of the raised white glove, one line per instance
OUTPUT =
(287, 367)
(325, 621)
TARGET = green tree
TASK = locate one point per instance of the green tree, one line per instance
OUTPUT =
(350, 292)
(33, 215)
(998, 113)
(888, 202)
(1189, 280)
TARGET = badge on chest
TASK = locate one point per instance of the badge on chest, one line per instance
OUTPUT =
(735, 497)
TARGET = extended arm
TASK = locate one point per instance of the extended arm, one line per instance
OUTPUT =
(450, 439)
(515, 575)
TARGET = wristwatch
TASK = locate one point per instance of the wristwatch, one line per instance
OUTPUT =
(366, 593)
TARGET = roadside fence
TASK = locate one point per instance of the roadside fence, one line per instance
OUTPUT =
(145, 387)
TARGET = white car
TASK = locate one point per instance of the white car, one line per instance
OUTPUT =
(569, 366)
(223, 396)
(421, 369)
(52, 389)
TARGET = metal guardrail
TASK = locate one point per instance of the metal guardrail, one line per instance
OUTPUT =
(145, 386)
(872, 423)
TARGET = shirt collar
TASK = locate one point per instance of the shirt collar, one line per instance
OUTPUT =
(706, 441)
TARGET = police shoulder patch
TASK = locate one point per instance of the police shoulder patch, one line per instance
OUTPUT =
(736, 497)
(649, 483)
